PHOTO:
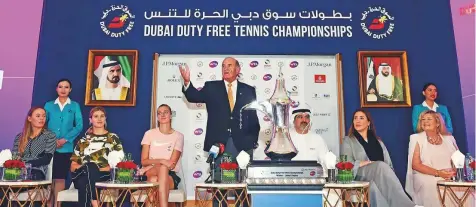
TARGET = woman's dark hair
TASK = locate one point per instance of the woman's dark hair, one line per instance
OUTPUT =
(65, 80)
(428, 85)
(369, 118)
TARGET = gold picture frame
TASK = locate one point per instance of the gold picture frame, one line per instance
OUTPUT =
(111, 78)
(383, 79)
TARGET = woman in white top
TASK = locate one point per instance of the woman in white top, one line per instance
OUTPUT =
(429, 160)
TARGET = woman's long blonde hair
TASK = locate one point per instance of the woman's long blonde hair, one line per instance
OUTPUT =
(91, 113)
(27, 130)
(440, 122)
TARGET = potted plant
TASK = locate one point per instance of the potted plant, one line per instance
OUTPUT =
(125, 171)
(12, 169)
(228, 172)
(344, 174)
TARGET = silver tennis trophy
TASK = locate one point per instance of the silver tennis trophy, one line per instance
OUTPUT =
(281, 147)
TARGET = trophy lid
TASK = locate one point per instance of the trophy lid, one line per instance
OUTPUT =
(280, 94)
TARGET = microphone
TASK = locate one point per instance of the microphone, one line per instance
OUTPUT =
(213, 152)
(222, 148)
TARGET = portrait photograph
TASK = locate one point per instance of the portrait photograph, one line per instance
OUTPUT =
(383, 78)
(111, 78)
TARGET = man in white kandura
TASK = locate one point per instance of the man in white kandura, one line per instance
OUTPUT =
(310, 146)
(113, 85)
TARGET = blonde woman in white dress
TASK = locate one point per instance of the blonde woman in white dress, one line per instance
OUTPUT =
(429, 160)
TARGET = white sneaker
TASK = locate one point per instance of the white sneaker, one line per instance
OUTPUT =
(419, 206)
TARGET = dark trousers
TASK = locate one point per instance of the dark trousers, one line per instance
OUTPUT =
(230, 149)
(85, 179)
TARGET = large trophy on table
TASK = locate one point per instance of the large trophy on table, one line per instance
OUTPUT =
(281, 173)
(281, 147)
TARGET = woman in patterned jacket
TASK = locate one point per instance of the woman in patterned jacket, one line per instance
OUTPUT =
(36, 144)
(89, 160)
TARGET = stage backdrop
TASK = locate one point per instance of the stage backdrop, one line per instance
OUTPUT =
(71, 28)
(464, 23)
(19, 44)
(313, 81)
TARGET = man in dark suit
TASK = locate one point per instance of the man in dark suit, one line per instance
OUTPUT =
(224, 100)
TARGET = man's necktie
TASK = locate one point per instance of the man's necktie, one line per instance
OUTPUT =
(230, 97)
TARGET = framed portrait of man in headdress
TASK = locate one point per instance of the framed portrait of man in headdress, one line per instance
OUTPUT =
(383, 78)
(111, 78)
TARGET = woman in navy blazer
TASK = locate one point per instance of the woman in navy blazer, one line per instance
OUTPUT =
(64, 119)
(431, 93)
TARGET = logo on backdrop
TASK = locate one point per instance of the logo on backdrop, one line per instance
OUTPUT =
(321, 114)
(197, 174)
(294, 91)
(199, 76)
(199, 117)
(199, 63)
(319, 78)
(117, 21)
(267, 90)
(254, 77)
(377, 23)
(293, 64)
(174, 79)
(267, 64)
(320, 96)
(267, 77)
(318, 64)
(294, 77)
(213, 64)
(321, 130)
(254, 64)
(213, 76)
(198, 145)
(198, 131)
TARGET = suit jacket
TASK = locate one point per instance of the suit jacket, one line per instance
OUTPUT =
(65, 124)
(222, 123)
(442, 109)
(355, 152)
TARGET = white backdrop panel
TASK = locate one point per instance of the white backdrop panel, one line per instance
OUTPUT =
(312, 80)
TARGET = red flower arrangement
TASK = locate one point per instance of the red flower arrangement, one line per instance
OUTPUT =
(14, 164)
(344, 166)
(472, 165)
(127, 165)
(228, 166)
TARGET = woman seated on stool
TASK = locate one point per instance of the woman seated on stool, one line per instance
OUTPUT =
(36, 144)
(429, 160)
(89, 160)
(161, 151)
(372, 163)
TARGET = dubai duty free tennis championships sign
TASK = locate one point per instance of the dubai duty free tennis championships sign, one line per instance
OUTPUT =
(376, 22)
